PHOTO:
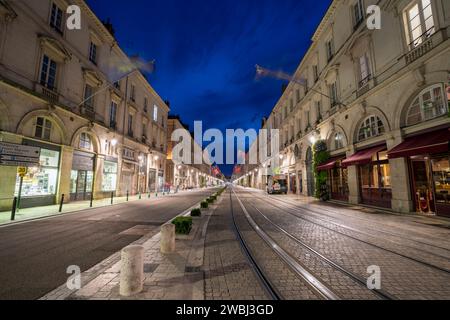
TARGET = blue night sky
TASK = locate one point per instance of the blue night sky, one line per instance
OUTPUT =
(206, 52)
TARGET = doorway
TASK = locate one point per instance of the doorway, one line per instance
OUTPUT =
(81, 185)
(422, 186)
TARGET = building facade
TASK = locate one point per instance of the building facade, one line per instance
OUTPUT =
(379, 99)
(100, 125)
(182, 176)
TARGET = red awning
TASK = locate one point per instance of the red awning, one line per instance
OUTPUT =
(426, 143)
(363, 156)
(327, 165)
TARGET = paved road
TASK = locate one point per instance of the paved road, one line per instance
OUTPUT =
(34, 255)
(413, 253)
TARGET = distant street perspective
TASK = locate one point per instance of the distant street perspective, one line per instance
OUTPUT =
(202, 151)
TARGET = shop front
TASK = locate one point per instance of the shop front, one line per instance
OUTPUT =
(40, 183)
(337, 178)
(374, 177)
(109, 177)
(429, 169)
(82, 176)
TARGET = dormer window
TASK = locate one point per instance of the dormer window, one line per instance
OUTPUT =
(56, 18)
(93, 53)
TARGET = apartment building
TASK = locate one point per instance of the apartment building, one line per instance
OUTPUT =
(185, 175)
(379, 99)
(100, 126)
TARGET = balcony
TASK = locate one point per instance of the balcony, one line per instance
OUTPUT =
(88, 111)
(424, 44)
(364, 86)
(50, 94)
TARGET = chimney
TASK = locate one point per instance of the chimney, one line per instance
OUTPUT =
(108, 25)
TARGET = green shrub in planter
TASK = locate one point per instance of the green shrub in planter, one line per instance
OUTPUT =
(196, 212)
(204, 204)
(183, 225)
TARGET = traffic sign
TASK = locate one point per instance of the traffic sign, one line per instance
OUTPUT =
(12, 154)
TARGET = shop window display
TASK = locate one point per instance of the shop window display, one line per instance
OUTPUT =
(42, 180)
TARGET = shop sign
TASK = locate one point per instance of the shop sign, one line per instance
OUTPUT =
(12, 154)
(22, 171)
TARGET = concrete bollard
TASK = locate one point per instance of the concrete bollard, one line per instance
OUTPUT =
(131, 270)
(168, 238)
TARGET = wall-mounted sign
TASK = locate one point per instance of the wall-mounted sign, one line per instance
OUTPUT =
(12, 154)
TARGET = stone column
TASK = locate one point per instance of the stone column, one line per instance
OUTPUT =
(167, 238)
(354, 192)
(401, 185)
(64, 173)
(98, 172)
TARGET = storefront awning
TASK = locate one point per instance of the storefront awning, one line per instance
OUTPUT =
(427, 143)
(363, 156)
(327, 165)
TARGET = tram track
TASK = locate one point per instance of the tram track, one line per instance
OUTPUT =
(288, 201)
(313, 282)
(303, 211)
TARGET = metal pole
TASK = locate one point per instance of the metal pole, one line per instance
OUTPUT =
(13, 210)
(149, 195)
(20, 193)
(61, 203)
(140, 195)
(127, 195)
(112, 196)
(92, 198)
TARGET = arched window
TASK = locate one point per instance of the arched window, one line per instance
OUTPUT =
(429, 104)
(43, 128)
(338, 140)
(372, 126)
(85, 141)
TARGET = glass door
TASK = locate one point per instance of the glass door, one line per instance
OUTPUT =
(423, 189)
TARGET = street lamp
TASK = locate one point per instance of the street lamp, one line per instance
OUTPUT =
(114, 142)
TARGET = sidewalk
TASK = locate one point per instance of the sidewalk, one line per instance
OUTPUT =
(167, 276)
(51, 210)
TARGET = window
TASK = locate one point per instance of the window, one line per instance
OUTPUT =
(144, 130)
(420, 22)
(318, 110)
(315, 72)
(372, 126)
(133, 93)
(145, 104)
(333, 94)
(89, 97)
(85, 141)
(330, 49)
(41, 180)
(113, 115)
(43, 128)
(130, 125)
(109, 180)
(429, 104)
(56, 18)
(338, 141)
(364, 70)
(305, 85)
(358, 13)
(155, 113)
(48, 73)
(93, 53)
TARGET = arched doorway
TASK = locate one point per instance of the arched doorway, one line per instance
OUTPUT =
(309, 172)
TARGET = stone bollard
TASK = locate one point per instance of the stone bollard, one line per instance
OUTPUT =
(131, 270)
(168, 238)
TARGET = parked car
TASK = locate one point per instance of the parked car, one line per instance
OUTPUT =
(277, 184)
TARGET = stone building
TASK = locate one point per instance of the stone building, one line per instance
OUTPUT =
(186, 175)
(380, 101)
(100, 125)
